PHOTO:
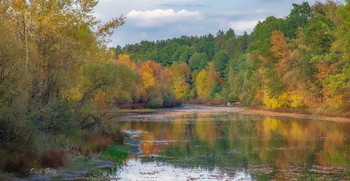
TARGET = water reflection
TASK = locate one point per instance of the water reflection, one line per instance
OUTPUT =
(266, 148)
(138, 170)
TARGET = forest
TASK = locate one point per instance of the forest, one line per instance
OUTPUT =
(57, 73)
(300, 61)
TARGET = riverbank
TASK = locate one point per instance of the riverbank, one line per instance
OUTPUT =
(236, 108)
(66, 156)
(295, 115)
(285, 112)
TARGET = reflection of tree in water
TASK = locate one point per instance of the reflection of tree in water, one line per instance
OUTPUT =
(268, 148)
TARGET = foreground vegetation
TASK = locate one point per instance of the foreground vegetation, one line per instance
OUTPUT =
(115, 153)
(300, 61)
(57, 83)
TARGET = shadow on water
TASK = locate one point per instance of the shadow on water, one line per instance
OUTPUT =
(236, 146)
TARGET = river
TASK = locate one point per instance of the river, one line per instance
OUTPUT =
(224, 143)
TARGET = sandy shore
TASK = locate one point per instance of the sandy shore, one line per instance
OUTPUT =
(295, 115)
(212, 110)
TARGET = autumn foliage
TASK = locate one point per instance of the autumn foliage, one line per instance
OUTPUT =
(299, 61)
(56, 73)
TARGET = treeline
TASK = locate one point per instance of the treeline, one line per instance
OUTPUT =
(199, 65)
(299, 61)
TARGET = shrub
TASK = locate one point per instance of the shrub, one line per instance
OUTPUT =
(156, 102)
(52, 158)
(16, 141)
(170, 102)
(20, 162)
(15, 132)
(55, 117)
(15, 128)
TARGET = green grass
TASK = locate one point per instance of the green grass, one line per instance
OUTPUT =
(102, 172)
(115, 153)
(80, 163)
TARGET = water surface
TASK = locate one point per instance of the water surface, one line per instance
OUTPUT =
(211, 143)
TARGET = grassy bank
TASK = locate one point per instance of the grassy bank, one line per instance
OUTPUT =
(56, 151)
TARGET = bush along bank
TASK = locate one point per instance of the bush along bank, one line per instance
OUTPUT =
(77, 153)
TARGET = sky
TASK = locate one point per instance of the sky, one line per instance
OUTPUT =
(163, 19)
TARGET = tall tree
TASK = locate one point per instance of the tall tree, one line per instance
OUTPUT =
(298, 17)
(198, 61)
(220, 62)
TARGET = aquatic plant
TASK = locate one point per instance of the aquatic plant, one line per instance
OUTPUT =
(115, 153)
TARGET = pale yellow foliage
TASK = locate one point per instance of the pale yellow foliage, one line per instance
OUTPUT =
(125, 59)
(73, 94)
(181, 88)
(201, 84)
(296, 99)
(275, 102)
(148, 78)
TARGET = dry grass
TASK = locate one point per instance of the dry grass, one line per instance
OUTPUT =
(52, 158)
(19, 163)
(99, 142)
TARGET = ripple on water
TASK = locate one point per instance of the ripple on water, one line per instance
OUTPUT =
(137, 170)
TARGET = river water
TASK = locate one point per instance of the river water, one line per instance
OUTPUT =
(225, 143)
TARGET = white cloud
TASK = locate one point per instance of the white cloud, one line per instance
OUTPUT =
(230, 13)
(159, 17)
(100, 16)
(258, 11)
(243, 25)
(241, 13)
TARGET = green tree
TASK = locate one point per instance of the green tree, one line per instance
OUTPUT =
(319, 34)
(198, 61)
(220, 62)
(298, 17)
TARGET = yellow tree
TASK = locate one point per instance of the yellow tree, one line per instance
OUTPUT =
(180, 83)
(125, 59)
(181, 89)
(148, 74)
(214, 80)
(201, 84)
(206, 82)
